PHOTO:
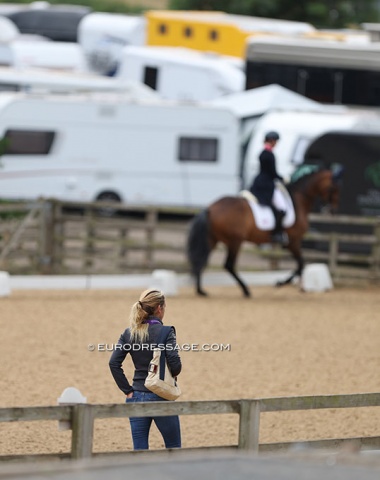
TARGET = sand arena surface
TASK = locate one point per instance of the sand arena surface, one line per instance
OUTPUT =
(283, 343)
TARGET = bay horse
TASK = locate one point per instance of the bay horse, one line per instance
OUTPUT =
(230, 220)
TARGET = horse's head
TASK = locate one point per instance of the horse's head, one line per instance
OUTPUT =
(329, 188)
(313, 183)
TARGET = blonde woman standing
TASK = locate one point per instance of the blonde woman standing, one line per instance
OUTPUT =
(146, 322)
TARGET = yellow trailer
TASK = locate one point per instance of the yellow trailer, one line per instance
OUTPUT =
(218, 32)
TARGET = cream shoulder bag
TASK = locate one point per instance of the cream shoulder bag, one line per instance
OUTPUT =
(159, 380)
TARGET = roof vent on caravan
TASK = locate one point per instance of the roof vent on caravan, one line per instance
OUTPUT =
(59, 56)
(39, 5)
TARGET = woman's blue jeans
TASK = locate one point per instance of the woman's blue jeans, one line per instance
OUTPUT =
(140, 426)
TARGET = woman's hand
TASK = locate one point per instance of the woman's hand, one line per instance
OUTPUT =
(130, 395)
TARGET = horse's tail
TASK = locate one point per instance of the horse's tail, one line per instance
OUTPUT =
(198, 243)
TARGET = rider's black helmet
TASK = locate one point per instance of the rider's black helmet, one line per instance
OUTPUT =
(272, 136)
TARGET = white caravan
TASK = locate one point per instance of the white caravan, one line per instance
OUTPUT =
(103, 36)
(120, 147)
(8, 30)
(181, 73)
(46, 80)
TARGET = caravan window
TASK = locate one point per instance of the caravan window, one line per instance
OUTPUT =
(28, 142)
(9, 87)
(198, 149)
(188, 32)
(150, 77)
(162, 29)
(213, 35)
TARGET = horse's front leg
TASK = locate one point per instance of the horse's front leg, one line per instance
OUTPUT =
(230, 263)
(295, 250)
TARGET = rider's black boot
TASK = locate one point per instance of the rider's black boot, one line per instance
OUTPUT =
(278, 234)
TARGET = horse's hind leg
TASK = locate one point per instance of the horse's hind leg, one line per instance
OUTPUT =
(198, 270)
(229, 265)
(295, 250)
(198, 284)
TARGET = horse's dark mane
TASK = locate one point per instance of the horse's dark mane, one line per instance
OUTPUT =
(302, 182)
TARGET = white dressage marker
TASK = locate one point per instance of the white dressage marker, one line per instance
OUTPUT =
(5, 288)
(316, 278)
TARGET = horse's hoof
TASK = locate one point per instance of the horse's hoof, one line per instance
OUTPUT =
(202, 293)
(279, 284)
(247, 294)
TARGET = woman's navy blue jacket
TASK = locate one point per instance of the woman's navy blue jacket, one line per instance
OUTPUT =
(141, 355)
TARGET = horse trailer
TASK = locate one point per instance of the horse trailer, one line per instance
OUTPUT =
(111, 146)
(346, 72)
(359, 154)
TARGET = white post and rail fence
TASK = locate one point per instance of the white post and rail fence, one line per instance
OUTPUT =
(80, 418)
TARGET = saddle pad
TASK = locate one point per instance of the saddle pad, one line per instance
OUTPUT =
(264, 217)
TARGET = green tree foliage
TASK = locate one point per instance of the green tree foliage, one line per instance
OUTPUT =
(327, 14)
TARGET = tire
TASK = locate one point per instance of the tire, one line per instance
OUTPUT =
(109, 197)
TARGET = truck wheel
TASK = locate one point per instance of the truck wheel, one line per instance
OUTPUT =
(108, 197)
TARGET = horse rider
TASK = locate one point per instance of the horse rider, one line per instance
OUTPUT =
(263, 185)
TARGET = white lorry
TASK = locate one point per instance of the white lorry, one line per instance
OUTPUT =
(297, 130)
(298, 120)
(116, 147)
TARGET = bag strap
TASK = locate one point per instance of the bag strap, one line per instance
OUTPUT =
(162, 340)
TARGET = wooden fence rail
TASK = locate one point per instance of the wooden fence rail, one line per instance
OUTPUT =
(50, 239)
(82, 417)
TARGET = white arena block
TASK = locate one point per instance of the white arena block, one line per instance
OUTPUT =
(165, 280)
(316, 278)
(5, 287)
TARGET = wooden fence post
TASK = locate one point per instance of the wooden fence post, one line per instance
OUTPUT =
(123, 236)
(249, 425)
(333, 252)
(59, 235)
(376, 254)
(82, 424)
(151, 219)
(89, 247)
(46, 237)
